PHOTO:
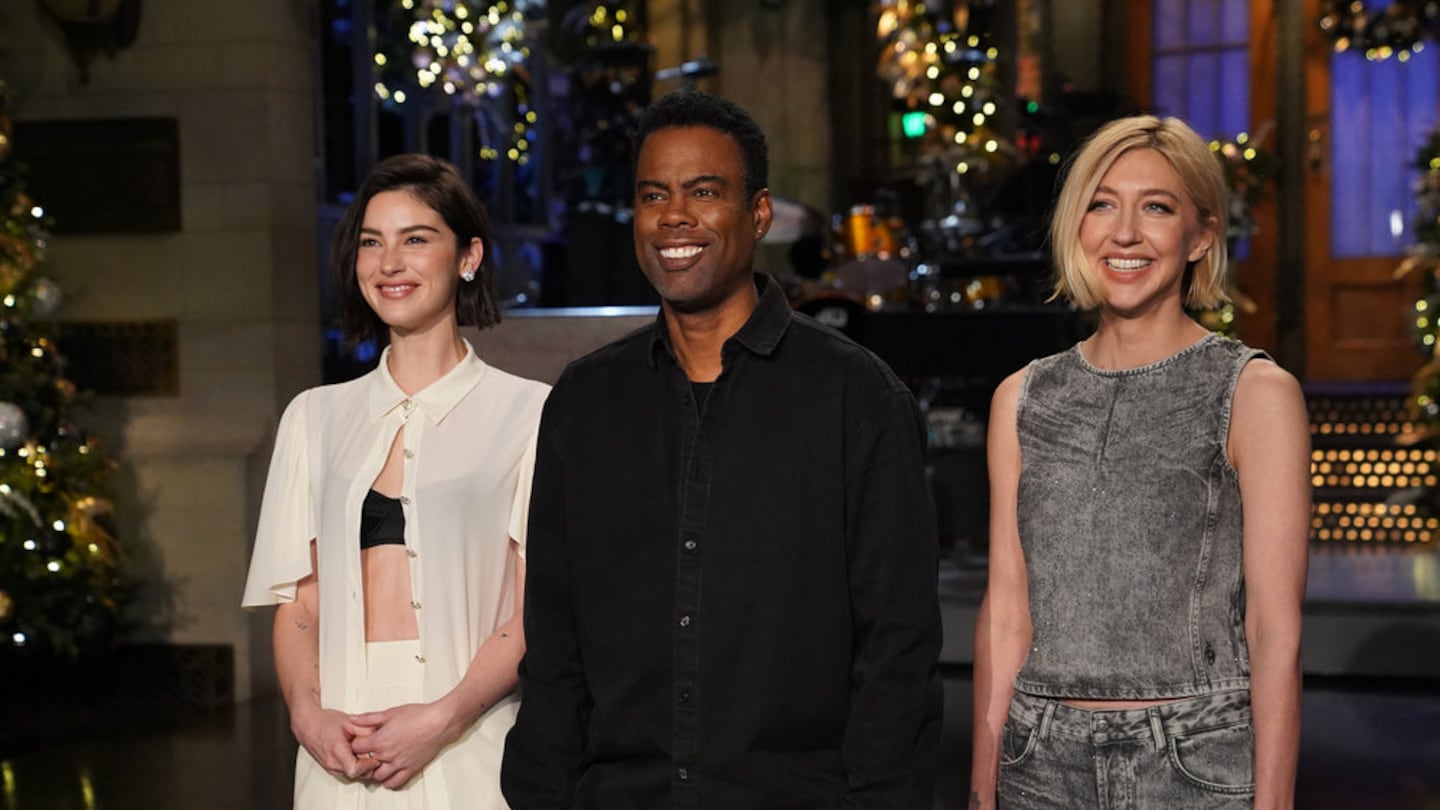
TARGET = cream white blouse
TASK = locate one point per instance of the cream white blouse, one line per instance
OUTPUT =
(469, 452)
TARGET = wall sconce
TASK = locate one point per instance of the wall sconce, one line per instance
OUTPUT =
(94, 26)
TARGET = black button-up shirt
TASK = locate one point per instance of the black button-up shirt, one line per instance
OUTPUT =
(729, 604)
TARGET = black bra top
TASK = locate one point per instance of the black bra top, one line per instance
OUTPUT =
(382, 521)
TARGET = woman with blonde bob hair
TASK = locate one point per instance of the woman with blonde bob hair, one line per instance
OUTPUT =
(1200, 175)
(1138, 643)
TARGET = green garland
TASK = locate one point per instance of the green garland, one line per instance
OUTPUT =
(1248, 168)
(1397, 30)
(1424, 258)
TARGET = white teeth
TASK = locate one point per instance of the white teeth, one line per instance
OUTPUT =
(683, 252)
(1127, 264)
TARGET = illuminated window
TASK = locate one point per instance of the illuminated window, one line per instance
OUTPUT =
(1381, 112)
(1201, 64)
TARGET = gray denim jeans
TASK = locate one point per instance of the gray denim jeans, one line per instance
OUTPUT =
(1193, 753)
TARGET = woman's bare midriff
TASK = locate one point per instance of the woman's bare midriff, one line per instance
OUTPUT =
(385, 569)
(389, 614)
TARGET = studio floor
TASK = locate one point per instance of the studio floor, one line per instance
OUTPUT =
(1367, 746)
(1371, 713)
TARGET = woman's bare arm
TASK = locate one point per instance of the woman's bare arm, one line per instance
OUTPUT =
(1270, 449)
(1003, 629)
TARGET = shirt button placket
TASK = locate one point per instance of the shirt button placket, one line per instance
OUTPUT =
(408, 406)
(409, 467)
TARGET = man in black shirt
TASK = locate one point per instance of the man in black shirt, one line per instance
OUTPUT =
(731, 596)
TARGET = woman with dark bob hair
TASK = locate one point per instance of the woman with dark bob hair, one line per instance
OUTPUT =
(392, 530)
(1138, 645)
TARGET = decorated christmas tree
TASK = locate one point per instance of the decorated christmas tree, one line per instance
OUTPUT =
(61, 587)
(1424, 259)
(941, 65)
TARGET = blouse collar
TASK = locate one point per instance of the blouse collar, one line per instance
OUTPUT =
(437, 399)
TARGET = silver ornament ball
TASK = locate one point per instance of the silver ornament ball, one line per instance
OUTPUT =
(47, 296)
(13, 425)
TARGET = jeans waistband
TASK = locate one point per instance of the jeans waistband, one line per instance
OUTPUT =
(1154, 724)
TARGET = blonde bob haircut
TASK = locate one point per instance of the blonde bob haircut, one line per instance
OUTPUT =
(1200, 173)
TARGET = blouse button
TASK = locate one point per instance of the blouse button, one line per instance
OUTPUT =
(684, 621)
(409, 453)
(415, 605)
(412, 553)
(405, 499)
(420, 659)
(407, 404)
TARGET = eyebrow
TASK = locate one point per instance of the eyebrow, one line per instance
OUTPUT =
(406, 229)
(698, 180)
(1146, 192)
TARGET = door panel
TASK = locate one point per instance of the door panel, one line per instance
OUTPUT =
(1231, 89)
(1367, 119)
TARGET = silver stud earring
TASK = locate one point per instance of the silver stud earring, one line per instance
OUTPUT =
(468, 275)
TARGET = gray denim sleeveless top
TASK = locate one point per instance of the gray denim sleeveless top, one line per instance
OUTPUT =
(1129, 517)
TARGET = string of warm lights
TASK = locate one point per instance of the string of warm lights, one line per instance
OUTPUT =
(467, 54)
(61, 588)
(1397, 30)
(937, 66)
(1424, 259)
(609, 23)
(1248, 169)
(1424, 402)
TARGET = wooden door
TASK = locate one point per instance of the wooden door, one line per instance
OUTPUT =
(1362, 121)
(1253, 275)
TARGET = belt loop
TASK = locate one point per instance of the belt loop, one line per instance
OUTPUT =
(1157, 728)
(1046, 717)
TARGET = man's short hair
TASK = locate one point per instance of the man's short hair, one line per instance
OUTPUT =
(692, 108)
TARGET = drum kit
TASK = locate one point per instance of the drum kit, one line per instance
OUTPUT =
(877, 261)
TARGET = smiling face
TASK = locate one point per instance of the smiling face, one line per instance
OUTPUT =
(408, 264)
(1140, 231)
(695, 229)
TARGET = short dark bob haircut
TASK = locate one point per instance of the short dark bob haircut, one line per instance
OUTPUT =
(438, 185)
(692, 108)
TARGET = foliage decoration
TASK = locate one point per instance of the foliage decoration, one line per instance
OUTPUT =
(62, 585)
(464, 54)
(1396, 30)
(938, 58)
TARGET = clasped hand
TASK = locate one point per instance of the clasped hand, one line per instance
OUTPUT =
(387, 747)
(399, 742)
